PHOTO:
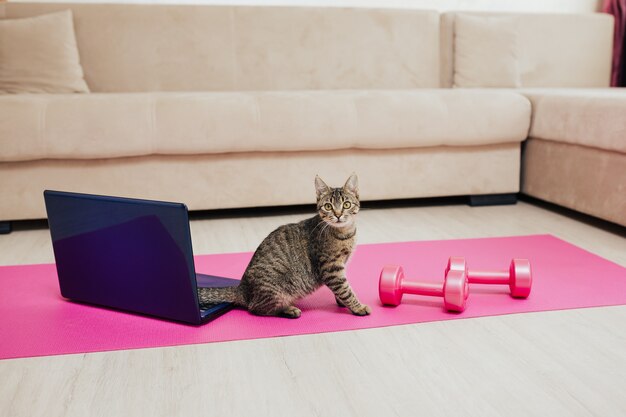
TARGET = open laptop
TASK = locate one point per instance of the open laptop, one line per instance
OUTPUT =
(128, 254)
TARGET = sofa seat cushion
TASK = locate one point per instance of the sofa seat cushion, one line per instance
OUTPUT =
(120, 125)
(589, 117)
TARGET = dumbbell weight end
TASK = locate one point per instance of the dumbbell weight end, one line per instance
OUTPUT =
(522, 278)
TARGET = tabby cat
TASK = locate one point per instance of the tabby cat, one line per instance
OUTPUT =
(296, 259)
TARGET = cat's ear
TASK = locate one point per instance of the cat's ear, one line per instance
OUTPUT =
(320, 187)
(352, 185)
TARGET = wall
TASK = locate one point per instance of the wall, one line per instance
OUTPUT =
(563, 6)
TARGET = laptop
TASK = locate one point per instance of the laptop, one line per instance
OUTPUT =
(129, 254)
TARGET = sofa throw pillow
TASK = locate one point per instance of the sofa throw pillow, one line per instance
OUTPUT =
(39, 55)
(485, 51)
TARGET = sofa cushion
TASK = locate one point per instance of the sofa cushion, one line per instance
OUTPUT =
(485, 51)
(577, 52)
(588, 117)
(39, 55)
(118, 125)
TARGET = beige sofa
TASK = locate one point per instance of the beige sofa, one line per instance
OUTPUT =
(576, 152)
(223, 107)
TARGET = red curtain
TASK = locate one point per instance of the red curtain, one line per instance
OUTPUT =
(618, 9)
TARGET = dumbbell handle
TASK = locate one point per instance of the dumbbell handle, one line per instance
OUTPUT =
(488, 277)
(422, 288)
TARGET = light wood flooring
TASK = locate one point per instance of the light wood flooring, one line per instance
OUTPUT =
(560, 363)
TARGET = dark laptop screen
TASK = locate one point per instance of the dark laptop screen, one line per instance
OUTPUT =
(124, 253)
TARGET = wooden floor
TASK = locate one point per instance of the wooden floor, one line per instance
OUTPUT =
(560, 363)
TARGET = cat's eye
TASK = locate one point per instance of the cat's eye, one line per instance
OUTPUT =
(328, 206)
(347, 205)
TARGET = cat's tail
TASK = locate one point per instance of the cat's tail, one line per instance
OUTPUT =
(220, 295)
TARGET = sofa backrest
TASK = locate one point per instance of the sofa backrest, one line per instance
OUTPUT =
(554, 50)
(132, 48)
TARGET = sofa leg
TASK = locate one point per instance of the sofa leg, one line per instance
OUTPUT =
(492, 199)
(5, 227)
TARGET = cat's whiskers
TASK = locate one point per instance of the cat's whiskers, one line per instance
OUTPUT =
(323, 231)
(321, 223)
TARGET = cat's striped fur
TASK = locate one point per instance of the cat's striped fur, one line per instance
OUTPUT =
(296, 259)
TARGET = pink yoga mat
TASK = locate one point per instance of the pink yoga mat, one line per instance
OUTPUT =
(36, 321)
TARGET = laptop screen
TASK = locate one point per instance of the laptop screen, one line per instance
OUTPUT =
(123, 253)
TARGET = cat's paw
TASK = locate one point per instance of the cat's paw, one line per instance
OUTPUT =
(362, 310)
(291, 312)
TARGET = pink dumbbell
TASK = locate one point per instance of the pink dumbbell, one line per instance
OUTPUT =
(392, 286)
(518, 277)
